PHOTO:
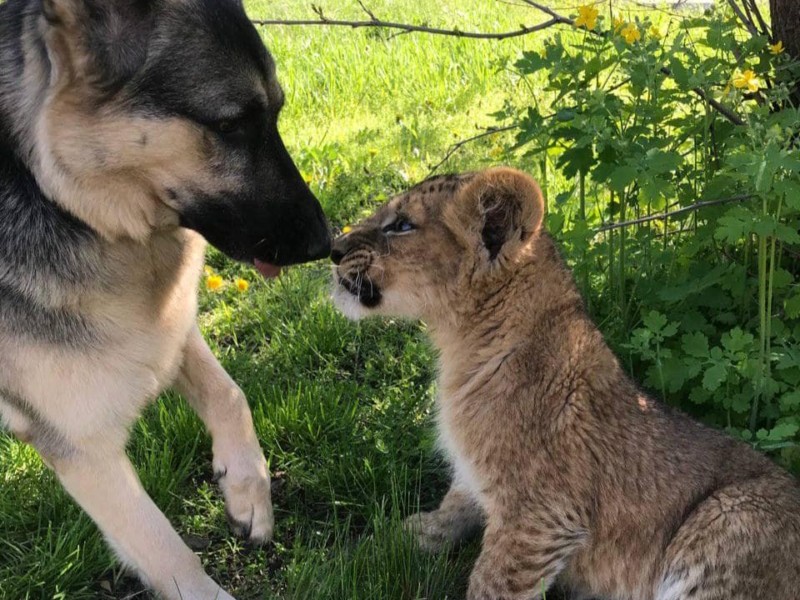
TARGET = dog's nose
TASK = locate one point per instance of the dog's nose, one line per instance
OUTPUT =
(320, 248)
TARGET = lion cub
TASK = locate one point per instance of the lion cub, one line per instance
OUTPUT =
(577, 474)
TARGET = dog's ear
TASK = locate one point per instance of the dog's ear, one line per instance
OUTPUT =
(501, 209)
(97, 42)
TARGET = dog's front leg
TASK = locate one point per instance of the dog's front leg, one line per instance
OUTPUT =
(102, 480)
(238, 459)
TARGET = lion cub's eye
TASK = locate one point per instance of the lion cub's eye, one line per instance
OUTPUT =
(399, 226)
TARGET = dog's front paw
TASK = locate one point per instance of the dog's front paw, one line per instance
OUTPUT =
(245, 484)
(431, 533)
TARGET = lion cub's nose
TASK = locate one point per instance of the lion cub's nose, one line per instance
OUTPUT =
(338, 250)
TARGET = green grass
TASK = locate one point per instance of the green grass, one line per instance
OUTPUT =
(342, 410)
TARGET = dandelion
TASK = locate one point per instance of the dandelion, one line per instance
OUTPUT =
(776, 49)
(747, 80)
(587, 17)
(308, 179)
(373, 151)
(214, 283)
(496, 152)
(346, 229)
(242, 285)
(619, 23)
(631, 33)
(655, 33)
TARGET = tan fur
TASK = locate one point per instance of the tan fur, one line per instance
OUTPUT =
(581, 478)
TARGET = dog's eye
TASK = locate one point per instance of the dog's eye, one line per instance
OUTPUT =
(399, 226)
(228, 126)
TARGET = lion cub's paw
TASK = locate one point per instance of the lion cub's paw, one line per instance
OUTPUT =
(248, 503)
(433, 532)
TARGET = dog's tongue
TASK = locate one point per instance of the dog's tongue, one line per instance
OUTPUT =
(267, 270)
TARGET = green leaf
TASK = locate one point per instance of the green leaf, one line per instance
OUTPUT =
(575, 160)
(732, 227)
(659, 162)
(792, 306)
(674, 374)
(679, 72)
(566, 114)
(531, 62)
(714, 377)
(765, 225)
(790, 401)
(783, 431)
(670, 330)
(654, 321)
(699, 395)
(621, 177)
(787, 234)
(737, 340)
(695, 344)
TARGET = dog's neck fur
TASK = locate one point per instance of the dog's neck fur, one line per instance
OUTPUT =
(24, 75)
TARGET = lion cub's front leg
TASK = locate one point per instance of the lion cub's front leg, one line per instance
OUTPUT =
(522, 557)
(239, 462)
(458, 518)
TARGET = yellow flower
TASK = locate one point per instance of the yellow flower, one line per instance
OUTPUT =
(214, 282)
(587, 17)
(346, 229)
(373, 151)
(242, 285)
(655, 33)
(619, 23)
(747, 80)
(631, 33)
(776, 49)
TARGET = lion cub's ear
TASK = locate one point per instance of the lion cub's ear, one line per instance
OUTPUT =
(504, 207)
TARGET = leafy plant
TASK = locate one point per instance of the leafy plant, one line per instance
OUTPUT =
(681, 205)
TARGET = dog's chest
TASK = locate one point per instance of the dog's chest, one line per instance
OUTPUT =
(151, 291)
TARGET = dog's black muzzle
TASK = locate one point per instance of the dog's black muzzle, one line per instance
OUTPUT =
(277, 221)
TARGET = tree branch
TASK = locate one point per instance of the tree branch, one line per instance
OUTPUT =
(373, 21)
(670, 214)
(748, 23)
(458, 145)
(556, 19)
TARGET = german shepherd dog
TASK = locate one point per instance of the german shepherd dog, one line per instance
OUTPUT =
(130, 132)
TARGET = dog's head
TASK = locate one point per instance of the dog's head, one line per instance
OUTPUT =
(158, 113)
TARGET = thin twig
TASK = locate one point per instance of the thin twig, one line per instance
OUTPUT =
(549, 11)
(751, 27)
(718, 106)
(670, 214)
(458, 145)
(556, 19)
(765, 29)
(408, 28)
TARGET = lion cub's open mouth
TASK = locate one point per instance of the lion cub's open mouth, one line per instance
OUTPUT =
(367, 292)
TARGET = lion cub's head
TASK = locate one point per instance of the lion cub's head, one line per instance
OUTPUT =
(427, 251)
